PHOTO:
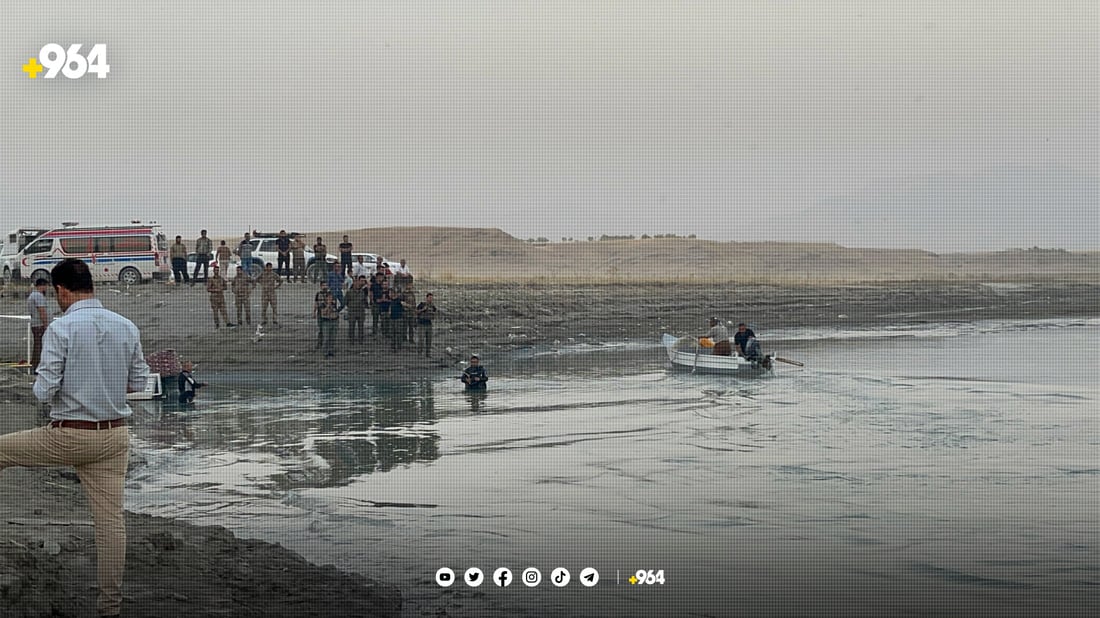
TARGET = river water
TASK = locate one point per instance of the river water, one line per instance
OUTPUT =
(912, 470)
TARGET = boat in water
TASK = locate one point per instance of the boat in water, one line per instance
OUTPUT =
(685, 353)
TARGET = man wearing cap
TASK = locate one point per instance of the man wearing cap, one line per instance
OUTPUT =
(474, 376)
(216, 287)
(721, 338)
(91, 358)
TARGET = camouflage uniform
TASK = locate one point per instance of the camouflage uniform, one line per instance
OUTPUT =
(216, 286)
(298, 257)
(269, 282)
(425, 315)
(242, 294)
(357, 313)
(408, 299)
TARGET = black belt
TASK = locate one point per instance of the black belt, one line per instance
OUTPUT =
(111, 424)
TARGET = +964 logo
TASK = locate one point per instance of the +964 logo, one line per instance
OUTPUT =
(69, 62)
(647, 577)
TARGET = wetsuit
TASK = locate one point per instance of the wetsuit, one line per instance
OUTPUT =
(475, 378)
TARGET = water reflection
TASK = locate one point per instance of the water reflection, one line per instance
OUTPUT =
(475, 398)
(316, 438)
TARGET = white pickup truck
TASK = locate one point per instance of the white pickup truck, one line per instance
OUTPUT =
(264, 251)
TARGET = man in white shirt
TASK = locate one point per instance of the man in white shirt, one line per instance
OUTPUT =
(402, 276)
(91, 358)
(360, 268)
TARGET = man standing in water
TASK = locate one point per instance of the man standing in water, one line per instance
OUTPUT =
(91, 358)
(474, 376)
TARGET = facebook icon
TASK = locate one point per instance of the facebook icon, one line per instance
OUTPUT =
(502, 577)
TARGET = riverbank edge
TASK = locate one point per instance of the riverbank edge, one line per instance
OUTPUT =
(47, 553)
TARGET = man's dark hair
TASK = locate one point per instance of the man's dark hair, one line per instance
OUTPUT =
(40, 282)
(740, 325)
(73, 275)
(203, 232)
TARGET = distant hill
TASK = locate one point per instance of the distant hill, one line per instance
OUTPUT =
(489, 254)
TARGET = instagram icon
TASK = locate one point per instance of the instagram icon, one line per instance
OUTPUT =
(531, 577)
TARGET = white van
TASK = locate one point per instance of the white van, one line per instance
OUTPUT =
(127, 253)
(13, 243)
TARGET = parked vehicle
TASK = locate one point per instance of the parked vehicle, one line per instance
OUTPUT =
(127, 253)
(13, 243)
(264, 251)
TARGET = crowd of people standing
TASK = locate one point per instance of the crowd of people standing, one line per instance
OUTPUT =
(349, 287)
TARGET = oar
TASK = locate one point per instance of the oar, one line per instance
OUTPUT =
(695, 363)
(789, 361)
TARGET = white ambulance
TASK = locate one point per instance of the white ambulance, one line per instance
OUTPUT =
(126, 253)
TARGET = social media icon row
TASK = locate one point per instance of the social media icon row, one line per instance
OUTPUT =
(531, 577)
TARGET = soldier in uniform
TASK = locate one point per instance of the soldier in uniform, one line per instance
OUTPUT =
(224, 255)
(320, 257)
(320, 299)
(242, 294)
(298, 253)
(396, 319)
(425, 315)
(408, 299)
(216, 287)
(377, 293)
(269, 281)
(204, 250)
(327, 319)
(357, 310)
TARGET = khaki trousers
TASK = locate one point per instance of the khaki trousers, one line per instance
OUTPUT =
(269, 301)
(100, 458)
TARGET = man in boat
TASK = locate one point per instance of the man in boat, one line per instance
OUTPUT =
(474, 376)
(741, 339)
(721, 338)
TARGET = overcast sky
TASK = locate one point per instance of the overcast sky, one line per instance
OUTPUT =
(939, 125)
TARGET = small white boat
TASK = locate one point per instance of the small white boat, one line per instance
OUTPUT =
(686, 353)
(151, 391)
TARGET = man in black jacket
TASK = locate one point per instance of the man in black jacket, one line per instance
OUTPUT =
(474, 376)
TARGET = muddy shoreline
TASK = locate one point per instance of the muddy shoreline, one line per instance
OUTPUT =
(47, 554)
(494, 319)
